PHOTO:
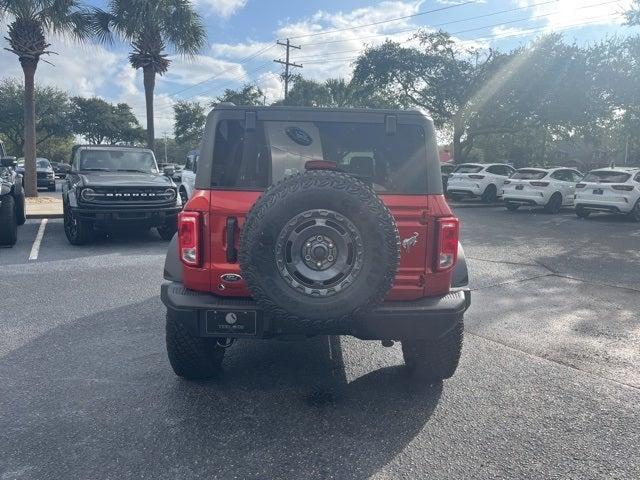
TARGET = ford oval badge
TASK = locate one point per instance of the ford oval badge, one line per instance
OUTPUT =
(230, 277)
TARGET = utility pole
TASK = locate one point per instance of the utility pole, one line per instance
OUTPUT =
(165, 148)
(287, 64)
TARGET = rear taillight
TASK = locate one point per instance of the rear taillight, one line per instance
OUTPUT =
(581, 185)
(447, 251)
(189, 231)
(540, 184)
(626, 188)
(507, 182)
(476, 177)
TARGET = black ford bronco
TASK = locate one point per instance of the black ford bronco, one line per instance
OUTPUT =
(110, 186)
(310, 222)
(12, 203)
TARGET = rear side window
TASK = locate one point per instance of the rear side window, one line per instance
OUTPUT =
(468, 169)
(529, 175)
(607, 177)
(274, 150)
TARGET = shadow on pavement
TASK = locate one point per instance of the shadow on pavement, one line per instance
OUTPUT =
(97, 398)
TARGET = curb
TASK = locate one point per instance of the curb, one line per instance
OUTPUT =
(475, 205)
(32, 216)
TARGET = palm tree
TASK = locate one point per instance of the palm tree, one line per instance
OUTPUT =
(31, 21)
(149, 26)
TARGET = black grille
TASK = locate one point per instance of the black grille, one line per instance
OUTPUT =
(130, 195)
(42, 175)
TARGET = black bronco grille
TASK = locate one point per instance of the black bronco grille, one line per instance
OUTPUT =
(128, 195)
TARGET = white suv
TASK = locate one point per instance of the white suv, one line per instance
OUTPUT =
(482, 180)
(188, 176)
(614, 190)
(551, 188)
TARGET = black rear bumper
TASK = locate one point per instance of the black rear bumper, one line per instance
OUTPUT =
(427, 318)
(149, 216)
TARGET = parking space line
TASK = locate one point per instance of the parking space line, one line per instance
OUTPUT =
(35, 249)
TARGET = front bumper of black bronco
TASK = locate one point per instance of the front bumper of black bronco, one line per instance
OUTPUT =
(208, 315)
(140, 216)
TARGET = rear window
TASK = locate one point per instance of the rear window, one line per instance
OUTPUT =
(274, 150)
(529, 175)
(607, 177)
(468, 169)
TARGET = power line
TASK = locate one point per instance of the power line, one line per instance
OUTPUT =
(469, 29)
(476, 17)
(327, 32)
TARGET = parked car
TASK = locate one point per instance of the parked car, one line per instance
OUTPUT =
(12, 202)
(315, 228)
(188, 184)
(551, 188)
(177, 172)
(110, 186)
(45, 174)
(60, 169)
(615, 190)
(482, 180)
(446, 169)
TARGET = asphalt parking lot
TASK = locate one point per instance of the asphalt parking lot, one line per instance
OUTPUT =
(548, 386)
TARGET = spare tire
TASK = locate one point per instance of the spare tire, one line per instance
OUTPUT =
(319, 247)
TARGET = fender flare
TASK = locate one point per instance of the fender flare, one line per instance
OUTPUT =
(172, 264)
(461, 272)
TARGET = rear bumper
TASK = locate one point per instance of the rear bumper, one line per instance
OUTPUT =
(149, 216)
(615, 207)
(524, 199)
(427, 318)
(466, 190)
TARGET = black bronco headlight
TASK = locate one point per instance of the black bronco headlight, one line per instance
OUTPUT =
(87, 194)
(170, 194)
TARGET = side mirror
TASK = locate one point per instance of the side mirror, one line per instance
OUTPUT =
(169, 171)
(9, 162)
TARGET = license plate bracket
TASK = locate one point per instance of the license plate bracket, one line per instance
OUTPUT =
(598, 191)
(231, 322)
(519, 187)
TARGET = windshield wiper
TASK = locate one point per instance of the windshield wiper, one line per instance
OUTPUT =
(95, 170)
(131, 170)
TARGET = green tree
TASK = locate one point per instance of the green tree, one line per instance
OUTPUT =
(51, 117)
(249, 94)
(189, 120)
(30, 23)
(149, 26)
(477, 93)
(99, 121)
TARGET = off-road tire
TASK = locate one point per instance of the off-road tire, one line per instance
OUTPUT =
(167, 231)
(512, 207)
(191, 357)
(554, 205)
(434, 360)
(79, 233)
(581, 212)
(490, 194)
(635, 213)
(8, 222)
(21, 212)
(315, 191)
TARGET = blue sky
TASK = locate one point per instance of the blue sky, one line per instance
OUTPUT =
(241, 28)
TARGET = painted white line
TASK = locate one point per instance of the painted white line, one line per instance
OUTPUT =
(36, 243)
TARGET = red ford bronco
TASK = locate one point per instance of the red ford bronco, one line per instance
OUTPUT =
(309, 221)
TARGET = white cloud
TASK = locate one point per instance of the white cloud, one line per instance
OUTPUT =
(568, 13)
(224, 8)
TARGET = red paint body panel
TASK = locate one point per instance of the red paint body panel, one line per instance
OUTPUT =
(414, 214)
